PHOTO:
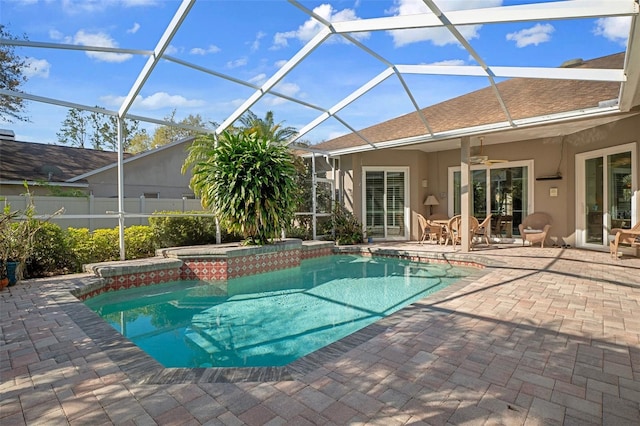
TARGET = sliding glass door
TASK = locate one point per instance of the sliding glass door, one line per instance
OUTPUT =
(385, 203)
(502, 190)
(604, 188)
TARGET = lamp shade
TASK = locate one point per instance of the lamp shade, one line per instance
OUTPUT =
(431, 200)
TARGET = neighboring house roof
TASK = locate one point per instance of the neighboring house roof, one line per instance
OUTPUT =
(29, 161)
(523, 97)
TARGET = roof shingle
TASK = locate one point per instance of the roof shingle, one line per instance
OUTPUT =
(524, 98)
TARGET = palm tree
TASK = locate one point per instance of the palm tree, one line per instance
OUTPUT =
(266, 127)
(248, 181)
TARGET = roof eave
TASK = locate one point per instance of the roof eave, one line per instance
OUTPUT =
(131, 159)
(569, 116)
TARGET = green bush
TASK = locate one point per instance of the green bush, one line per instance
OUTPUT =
(348, 229)
(106, 244)
(80, 244)
(183, 231)
(139, 242)
(51, 255)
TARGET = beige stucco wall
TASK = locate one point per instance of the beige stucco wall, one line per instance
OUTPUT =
(158, 172)
(549, 155)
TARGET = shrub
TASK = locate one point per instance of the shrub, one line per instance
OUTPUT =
(139, 242)
(179, 231)
(80, 244)
(348, 229)
(106, 244)
(50, 254)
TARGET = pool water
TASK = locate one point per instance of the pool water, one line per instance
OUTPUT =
(270, 319)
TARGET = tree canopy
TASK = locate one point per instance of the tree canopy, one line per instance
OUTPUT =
(11, 78)
(100, 131)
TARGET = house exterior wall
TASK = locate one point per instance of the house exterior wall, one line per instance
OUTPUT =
(156, 173)
(549, 156)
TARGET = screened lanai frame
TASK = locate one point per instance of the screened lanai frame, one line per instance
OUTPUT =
(628, 77)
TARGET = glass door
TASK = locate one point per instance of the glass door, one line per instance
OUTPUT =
(385, 206)
(605, 195)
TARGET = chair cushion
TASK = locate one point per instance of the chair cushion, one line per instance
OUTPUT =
(533, 231)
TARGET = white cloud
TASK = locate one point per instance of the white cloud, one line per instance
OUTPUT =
(134, 29)
(535, 35)
(258, 79)
(100, 40)
(36, 68)
(615, 29)
(280, 63)
(156, 101)
(311, 27)
(171, 50)
(255, 45)
(74, 7)
(57, 35)
(455, 62)
(237, 63)
(437, 36)
(289, 89)
(201, 51)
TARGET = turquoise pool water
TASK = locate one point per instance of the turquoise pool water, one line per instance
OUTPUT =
(270, 319)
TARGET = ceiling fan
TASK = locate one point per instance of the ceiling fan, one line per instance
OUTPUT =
(483, 159)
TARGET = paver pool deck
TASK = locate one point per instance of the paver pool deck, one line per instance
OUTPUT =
(544, 336)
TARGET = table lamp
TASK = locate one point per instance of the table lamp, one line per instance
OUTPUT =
(431, 200)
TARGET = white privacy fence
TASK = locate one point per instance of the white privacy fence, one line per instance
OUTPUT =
(96, 213)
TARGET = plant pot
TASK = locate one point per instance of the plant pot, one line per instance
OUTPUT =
(12, 269)
(4, 281)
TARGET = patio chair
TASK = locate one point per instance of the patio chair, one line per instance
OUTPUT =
(454, 230)
(484, 229)
(624, 236)
(429, 229)
(535, 227)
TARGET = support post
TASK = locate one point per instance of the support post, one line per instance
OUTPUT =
(465, 188)
(121, 188)
(314, 183)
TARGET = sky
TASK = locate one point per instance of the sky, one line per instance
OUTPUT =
(250, 40)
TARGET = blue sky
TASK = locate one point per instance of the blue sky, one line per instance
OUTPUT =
(251, 40)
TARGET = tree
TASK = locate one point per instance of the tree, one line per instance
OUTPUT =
(140, 143)
(248, 180)
(266, 127)
(74, 128)
(80, 127)
(164, 135)
(11, 78)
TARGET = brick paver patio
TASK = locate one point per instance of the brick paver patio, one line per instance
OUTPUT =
(545, 336)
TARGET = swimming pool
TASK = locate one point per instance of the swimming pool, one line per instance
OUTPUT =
(270, 319)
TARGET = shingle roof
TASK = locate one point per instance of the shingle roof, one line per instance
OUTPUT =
(33, 161)
(524, 98)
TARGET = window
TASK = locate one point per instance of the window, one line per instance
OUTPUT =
(385, 202)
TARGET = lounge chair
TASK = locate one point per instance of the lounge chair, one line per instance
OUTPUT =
(535, 227)
(624, 236)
